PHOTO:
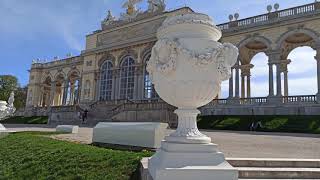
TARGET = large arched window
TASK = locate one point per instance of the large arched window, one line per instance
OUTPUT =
(127, 78)
(149, 91)
(106, 81)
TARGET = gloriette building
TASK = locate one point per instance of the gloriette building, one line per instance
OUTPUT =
(110, 80)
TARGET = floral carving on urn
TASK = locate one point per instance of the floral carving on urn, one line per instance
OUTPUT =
(187, 66)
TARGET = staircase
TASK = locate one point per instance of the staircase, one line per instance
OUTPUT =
(276, 168)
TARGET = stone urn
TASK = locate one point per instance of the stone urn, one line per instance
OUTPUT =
(187, 67)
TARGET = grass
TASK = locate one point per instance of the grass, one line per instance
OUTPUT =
(26, 120)
(291, 124)
(34, 156)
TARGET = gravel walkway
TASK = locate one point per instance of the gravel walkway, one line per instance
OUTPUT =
(232, 144)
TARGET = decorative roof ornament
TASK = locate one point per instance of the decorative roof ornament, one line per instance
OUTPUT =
(109, 19)
(156, 5)
(269, 8)
(276, 6)
(132, 11)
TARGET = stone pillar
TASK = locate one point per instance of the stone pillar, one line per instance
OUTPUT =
(279, 89)
(271, 88)
(242, 86)
(317, 57)
(52, 93)
(237, 91)
(231, 85)
(116, 87)
(97, 86)
(286, 88)
(65, 92)
(248, 86)
(72, 89)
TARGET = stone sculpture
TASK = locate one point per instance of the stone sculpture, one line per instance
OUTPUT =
(156, 5)
(132, 12)
(6, 110)
(187, 67)
(109, 19)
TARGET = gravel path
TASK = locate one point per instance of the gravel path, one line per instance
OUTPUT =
(232, 144)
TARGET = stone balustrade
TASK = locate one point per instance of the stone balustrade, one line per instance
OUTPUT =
(59, 62)
(306, 99)
(272, 17)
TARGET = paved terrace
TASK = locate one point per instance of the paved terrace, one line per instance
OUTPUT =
(233, 144)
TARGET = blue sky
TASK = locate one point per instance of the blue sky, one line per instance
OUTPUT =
(31, 29)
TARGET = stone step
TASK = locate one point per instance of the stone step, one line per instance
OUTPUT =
(278, 173)
(265, 162)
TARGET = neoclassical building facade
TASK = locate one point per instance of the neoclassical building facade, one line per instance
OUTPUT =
(110, 79)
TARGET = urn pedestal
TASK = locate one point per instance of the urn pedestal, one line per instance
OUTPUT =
(187, 67)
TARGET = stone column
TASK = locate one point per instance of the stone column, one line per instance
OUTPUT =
(237, 91)
(317, 57)
(242, 86)
(97, 86)
(52, 93)
(116, 87)
(286, 88)
(248, 86)
(271, 88)
(231, 85)
(278, 80)
(65, 92)
(72, 89)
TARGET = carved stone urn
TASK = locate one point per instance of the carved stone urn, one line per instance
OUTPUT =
(187, 67)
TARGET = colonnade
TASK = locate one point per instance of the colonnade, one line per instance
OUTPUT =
(241, 76)
(57, 93)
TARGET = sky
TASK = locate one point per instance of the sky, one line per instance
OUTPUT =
(43, 29)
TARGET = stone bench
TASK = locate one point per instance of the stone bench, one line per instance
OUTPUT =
(148, 135)
(67, 129)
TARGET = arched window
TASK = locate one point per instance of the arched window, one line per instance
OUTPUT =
(127, 78)
(106, 81)
(149, 91)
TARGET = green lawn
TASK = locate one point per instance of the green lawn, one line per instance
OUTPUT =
(33, 156)
(292, 124)
(26, 120)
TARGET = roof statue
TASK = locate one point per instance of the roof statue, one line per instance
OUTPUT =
(132, 12)
(156, 5)
(109, 19)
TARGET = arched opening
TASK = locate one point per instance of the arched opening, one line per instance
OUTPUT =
(106, 81)
(72, 86)
(46, 91)
(296, 70)
(149, 91)
(259, 75)
(302, 72)
(253, 68)
(127, 74)
(59, 87)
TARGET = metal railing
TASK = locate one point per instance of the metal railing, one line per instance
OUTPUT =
(272, 16)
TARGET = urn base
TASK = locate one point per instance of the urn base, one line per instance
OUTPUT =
(175, 161)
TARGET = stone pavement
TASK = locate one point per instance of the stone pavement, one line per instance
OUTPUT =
(232, 144)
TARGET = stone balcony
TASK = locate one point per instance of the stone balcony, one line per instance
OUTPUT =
(284, 105)
(272, 17)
